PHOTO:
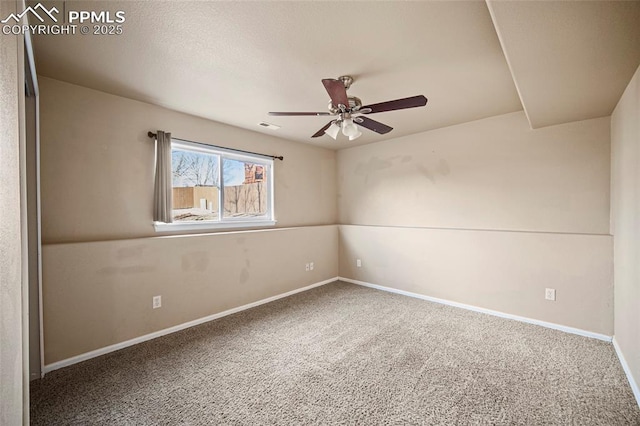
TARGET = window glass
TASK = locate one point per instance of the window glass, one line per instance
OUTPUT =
(195, 185)
(245, 189)
(219, 188)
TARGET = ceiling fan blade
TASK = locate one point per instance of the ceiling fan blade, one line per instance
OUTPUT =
(321, 131)
(412, 102)
(298, 113)
(337, 92)
(373, 125)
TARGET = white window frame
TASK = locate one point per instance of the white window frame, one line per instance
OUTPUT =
(225, 223)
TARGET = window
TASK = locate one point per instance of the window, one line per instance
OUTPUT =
(215, 188)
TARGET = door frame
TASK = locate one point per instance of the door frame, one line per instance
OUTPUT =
(31, 82)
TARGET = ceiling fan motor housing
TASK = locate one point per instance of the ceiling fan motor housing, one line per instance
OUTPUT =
(354, 103)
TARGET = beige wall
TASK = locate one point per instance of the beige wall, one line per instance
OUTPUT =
(100, 293)
(502, 271)
(102, 260)
(494, 173)
(625, 222)
(487, 213)
(97, 165)
(12, 363)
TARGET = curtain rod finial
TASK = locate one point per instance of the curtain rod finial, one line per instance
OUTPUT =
(151, 135)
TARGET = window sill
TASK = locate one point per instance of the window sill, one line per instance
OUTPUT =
(210, 226)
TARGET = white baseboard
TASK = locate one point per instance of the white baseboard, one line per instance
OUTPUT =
(483, 310)
(102, 351)
(627, 371)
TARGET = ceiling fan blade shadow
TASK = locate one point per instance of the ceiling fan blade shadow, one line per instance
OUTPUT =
(337, 92)
(294, 114)
(321, 131)
(373, 125)
(404, 103)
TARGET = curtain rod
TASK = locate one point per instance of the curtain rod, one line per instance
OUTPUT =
(275, 157)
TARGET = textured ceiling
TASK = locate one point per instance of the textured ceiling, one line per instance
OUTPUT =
(571, 60)
(234, 61)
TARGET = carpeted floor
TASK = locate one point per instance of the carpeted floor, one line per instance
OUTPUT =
(345, 354)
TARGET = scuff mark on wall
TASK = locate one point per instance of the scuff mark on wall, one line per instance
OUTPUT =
(376, 164)
(244, 275)
(443, 167)
(424, 171)
(125, 270)
(195, 261)
(129, 252)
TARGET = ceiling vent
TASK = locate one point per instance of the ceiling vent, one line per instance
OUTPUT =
(268, 125)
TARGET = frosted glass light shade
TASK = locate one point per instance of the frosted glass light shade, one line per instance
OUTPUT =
(349, 128)
(332, 130)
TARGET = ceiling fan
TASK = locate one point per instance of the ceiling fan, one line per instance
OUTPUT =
(349, 110)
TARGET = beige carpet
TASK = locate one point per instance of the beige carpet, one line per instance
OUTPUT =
(344, 354)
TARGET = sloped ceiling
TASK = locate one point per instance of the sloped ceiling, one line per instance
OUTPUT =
(234, 61)
(571, 60)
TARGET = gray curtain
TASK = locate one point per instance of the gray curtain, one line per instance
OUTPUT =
(162, 199)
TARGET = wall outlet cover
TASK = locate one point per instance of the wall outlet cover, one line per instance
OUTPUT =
(550, 293)
(157, 302)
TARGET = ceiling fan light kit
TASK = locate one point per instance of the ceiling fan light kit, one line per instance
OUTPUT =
(333, 130)
(349, 110)
(349, 128)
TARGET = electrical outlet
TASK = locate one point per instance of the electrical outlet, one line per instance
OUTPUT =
(359, 263)
(307, 267)
(550, 293)
(157, 302)
(311, 266)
